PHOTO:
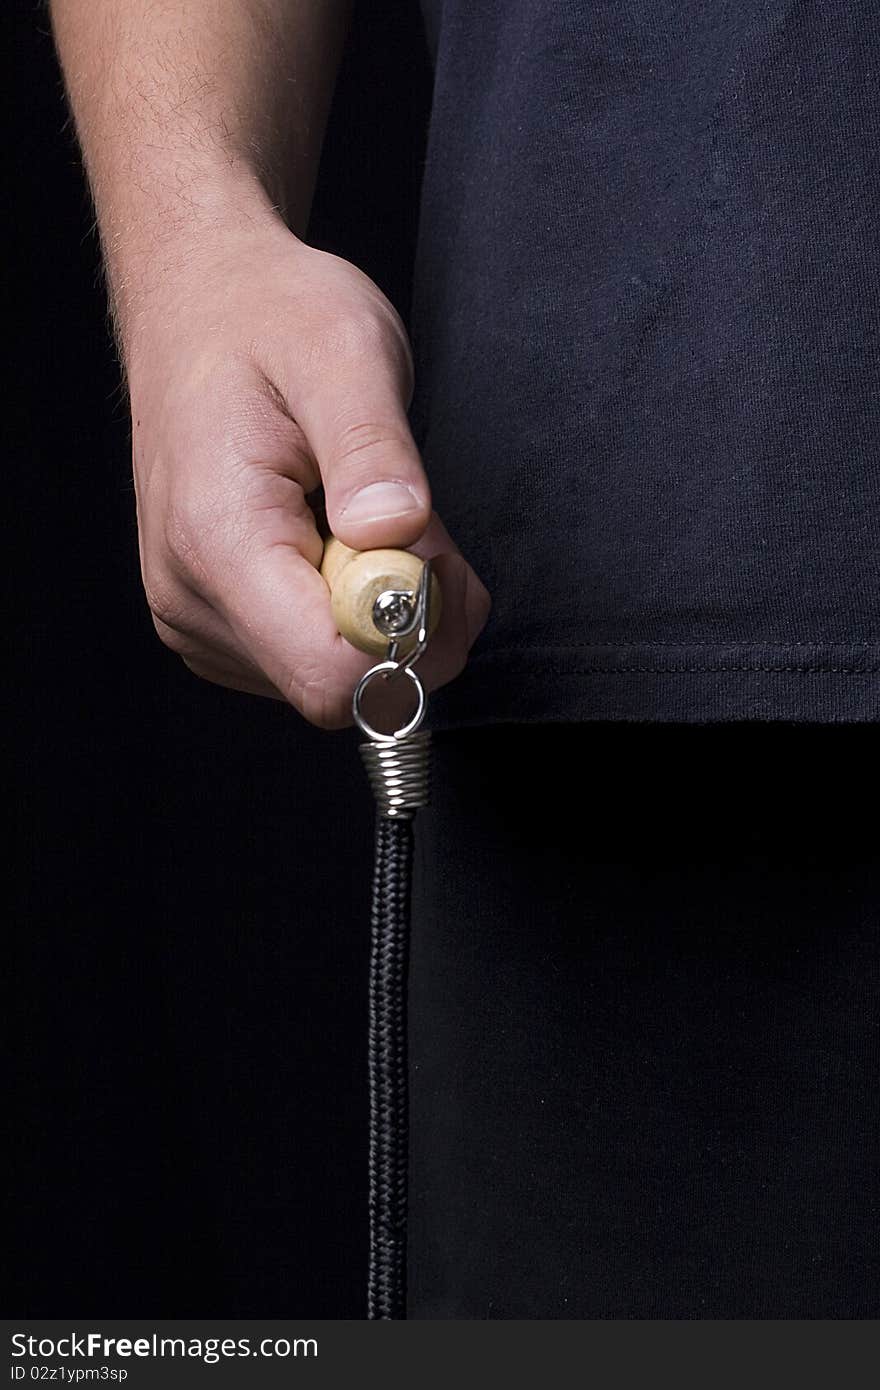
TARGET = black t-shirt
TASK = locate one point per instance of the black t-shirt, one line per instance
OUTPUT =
(646, 326)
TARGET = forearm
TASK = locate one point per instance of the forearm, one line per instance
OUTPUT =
(194, 114)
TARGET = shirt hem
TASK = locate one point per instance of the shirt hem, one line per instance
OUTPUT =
(658, 682)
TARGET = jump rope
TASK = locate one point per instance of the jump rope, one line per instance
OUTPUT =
(387, 603)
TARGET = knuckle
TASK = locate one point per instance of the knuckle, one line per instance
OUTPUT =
(202, 533)
(367, 436)
(369, 335)
(170, 637)
(166, 602)
(183, 535)
(215, 525)
(355, 337)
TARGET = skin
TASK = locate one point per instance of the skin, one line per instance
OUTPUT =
(257, 367)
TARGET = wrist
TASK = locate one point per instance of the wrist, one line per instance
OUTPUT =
(152, 242)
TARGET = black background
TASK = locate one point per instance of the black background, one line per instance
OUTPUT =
(188, 932)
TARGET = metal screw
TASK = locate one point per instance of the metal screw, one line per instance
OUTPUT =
(393, 611)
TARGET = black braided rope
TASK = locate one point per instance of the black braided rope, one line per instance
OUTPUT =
(386, 1297)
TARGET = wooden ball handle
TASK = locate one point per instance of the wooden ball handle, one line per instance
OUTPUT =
(356, 578)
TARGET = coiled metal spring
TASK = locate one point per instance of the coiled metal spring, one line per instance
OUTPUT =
(399, 771)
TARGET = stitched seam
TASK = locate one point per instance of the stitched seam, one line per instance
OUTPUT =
(686, 643)
(547, 670)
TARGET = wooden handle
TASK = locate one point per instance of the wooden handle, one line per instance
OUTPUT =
(356, 578)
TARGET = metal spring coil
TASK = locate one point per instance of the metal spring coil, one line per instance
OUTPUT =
(399, 771)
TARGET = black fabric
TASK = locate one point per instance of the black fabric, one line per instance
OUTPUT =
(644, 1043)
(646, 325)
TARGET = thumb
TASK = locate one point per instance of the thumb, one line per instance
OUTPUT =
(375, 487)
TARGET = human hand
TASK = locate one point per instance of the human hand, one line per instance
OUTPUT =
(258, 369)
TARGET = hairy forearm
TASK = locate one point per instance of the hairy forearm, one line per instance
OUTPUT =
(193, 114)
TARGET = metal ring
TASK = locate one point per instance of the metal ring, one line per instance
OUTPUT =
(361, 686)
